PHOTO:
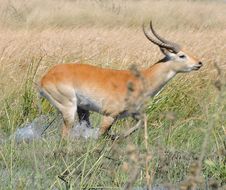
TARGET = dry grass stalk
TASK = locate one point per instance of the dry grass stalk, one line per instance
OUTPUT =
(134, 169)
(194, 178)
(148, 156)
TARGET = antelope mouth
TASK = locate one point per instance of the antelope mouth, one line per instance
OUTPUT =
(197, 67)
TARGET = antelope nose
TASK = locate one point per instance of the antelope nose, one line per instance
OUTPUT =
(200, 63)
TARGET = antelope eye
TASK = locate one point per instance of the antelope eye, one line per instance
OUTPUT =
(182, 56)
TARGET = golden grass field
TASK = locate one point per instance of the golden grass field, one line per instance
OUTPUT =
(35, 34)
(104, 33)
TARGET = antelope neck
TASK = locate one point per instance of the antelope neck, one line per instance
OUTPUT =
(157, 76)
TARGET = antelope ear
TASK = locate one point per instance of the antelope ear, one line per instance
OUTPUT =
(167, 56)
(163, 50)
(167, 52)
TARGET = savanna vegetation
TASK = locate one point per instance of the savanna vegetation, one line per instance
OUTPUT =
(186, 122)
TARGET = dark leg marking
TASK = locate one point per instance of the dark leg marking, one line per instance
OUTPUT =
(83, 115)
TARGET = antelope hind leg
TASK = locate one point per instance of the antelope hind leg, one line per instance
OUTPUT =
(83, 115)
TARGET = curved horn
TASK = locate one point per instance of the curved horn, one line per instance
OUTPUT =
(160, 44)
(175, 46)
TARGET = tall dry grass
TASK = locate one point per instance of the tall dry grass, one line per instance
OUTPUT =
(195, 15)
(66, 30)
(116, 48)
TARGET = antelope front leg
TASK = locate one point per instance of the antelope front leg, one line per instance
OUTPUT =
(133, 129)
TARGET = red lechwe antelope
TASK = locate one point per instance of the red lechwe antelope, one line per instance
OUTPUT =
(79, 88)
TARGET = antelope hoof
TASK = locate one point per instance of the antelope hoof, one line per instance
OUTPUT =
(114, 137)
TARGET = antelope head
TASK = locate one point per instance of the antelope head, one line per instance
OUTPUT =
(177, 57)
